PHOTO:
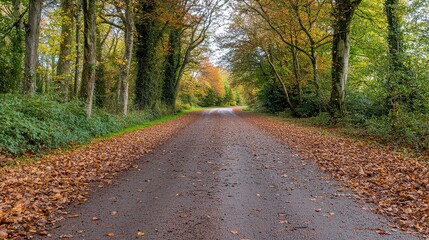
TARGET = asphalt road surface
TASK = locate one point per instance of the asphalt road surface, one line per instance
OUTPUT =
(222, 178)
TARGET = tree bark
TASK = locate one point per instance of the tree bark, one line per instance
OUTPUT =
(170, 86)
(125, 71)
(343, 13)
(32, 44)
(89, 55)
(316, 79)
(399, 75)
(78, 48)
(64, 61)
(297, 74)
(18, 50)
(148, 34)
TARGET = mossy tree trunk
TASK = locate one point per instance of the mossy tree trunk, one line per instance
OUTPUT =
(64, 61)
(343, 13)
(31, 45)
(89, 55)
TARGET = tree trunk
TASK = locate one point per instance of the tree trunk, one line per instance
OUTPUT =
(147, 39)
(399, 75)
(78, 48)
(100, 73)
(316, 79)
(64, 61)
(125, 71)
(89, 55)
(277, 75)
(169, 92)
(343, 13)
(297, 74)
(17, 49)
(32, 44)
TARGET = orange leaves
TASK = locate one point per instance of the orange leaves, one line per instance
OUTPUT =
(211, 76)
(398, 184)
(32, 193)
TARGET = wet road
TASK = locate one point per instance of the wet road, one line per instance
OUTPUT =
(222, 178)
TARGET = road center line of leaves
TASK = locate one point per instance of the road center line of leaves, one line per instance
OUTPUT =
(397, 185)
(33, 194)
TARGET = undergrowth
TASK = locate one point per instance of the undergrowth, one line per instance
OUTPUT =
(403, 131)
(32, 125)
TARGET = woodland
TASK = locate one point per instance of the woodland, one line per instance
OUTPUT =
(344, 63)
(71, 70)
(75, 70)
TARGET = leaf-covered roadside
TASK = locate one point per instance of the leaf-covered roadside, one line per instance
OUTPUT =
(397, 184)
(33, 195)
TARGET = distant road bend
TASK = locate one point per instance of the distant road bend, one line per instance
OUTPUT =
(223, 178)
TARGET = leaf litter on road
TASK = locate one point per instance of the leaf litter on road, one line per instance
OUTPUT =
(32, 195)
(398, 185)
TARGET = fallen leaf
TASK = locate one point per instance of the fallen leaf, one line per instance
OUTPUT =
(282, 214)
(140, 234)
(66, 236)
(110, 234)
(234, 231)
(408, 210)
(382, 232)
(95, 219)
(3, 233)
(56, 180)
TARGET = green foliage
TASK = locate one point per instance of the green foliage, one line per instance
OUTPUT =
(11, 61)
(228, 99)
(272, 99)
(211, 98)
(402, 127)
(36, 124)
(309, 106)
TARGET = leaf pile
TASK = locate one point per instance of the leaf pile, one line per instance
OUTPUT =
(398, 185)
(33, 194)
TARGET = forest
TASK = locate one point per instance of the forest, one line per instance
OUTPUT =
(74, 69)
(318, 124)
(71, 70)
(349, 62)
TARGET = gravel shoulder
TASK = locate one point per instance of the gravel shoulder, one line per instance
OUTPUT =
(223, 178)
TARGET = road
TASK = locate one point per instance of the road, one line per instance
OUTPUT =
(223, 178)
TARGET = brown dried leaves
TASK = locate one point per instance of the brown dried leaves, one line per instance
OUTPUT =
(32, 194)
(398, 185)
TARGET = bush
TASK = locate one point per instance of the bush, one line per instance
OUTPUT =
(402, 127)
(271, 99)
(309, 107)
(35, 124)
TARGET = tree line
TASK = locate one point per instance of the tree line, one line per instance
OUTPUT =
(101, 52)
(342, 57)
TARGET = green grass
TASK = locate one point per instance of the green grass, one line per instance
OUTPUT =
(148, 124)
